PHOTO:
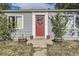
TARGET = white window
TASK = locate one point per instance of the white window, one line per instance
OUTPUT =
(17, 21)
(77, 21)
(70, 24)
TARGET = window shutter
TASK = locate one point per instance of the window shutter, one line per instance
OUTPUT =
(19, 22)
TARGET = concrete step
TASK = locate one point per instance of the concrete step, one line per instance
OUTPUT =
(40, 45)
(40, 42)
(42, 37)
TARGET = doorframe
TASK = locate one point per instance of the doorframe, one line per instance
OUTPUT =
(34, 23)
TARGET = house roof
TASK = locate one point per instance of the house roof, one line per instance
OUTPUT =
(40, 10)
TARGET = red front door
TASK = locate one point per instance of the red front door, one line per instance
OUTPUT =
(40, 25)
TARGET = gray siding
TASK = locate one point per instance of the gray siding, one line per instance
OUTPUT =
(27, 28)
(50, 29)
(50, 26)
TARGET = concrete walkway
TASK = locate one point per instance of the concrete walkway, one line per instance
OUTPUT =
(40, 46)
(40, 52)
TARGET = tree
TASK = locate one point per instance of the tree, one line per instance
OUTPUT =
(5, 6)
(67, 6)
(5, 27)
(59, 25)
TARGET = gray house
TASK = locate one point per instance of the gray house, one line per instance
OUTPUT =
(36, 23)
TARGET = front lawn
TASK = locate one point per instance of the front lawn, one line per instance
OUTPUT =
(12, 48)
(66, 48)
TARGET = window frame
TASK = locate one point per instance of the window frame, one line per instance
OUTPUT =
(75, 20)
(21, 21)
(68, 15)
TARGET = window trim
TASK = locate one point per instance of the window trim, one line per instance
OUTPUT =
(71, 15)
(75, 20)
(21, 21)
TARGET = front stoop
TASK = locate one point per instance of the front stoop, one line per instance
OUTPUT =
(40, 43)
(40, 46)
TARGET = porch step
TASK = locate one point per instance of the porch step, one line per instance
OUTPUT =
(40, 38)
(40, 43)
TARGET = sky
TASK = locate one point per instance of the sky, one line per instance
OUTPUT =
(35, 5)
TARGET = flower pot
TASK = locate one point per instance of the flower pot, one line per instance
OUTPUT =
(31, 37)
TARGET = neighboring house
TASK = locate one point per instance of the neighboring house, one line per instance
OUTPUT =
(36, 23)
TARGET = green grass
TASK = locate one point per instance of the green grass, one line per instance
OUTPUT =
(11, 48)
(66, 48)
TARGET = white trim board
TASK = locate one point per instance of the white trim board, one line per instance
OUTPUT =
(34, 21)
